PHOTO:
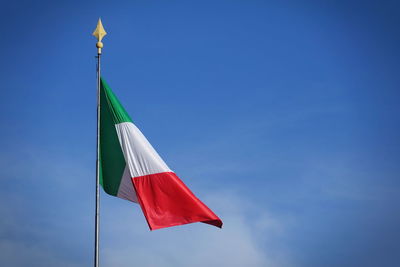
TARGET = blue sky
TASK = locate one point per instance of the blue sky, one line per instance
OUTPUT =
(281, 115)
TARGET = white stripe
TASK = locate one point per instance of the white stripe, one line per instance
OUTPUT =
(140, 156)
(126, 189)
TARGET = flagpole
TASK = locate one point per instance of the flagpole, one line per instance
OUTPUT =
(99, 33)
(97, 211)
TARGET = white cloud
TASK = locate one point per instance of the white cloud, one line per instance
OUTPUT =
(20, 254)
(128, 243)
(247, 238)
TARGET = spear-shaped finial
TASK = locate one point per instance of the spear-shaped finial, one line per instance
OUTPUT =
(99, 33)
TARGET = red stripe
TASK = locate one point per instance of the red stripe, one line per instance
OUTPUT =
(166, 201)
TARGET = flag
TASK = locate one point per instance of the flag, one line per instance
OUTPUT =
(131, 169)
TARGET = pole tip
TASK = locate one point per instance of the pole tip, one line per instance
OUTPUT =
(99, 33)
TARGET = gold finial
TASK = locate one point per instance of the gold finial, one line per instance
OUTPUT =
(99, 33)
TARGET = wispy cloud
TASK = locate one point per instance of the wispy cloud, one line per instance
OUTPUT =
(19, 254)
(37, 234)
(239, 243)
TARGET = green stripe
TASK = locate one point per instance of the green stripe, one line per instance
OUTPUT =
(112, 162)
(118, 112)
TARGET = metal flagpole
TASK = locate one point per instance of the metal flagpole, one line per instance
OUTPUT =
(97, 212)
(99, 33)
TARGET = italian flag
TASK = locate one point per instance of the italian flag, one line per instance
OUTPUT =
(131, 169)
